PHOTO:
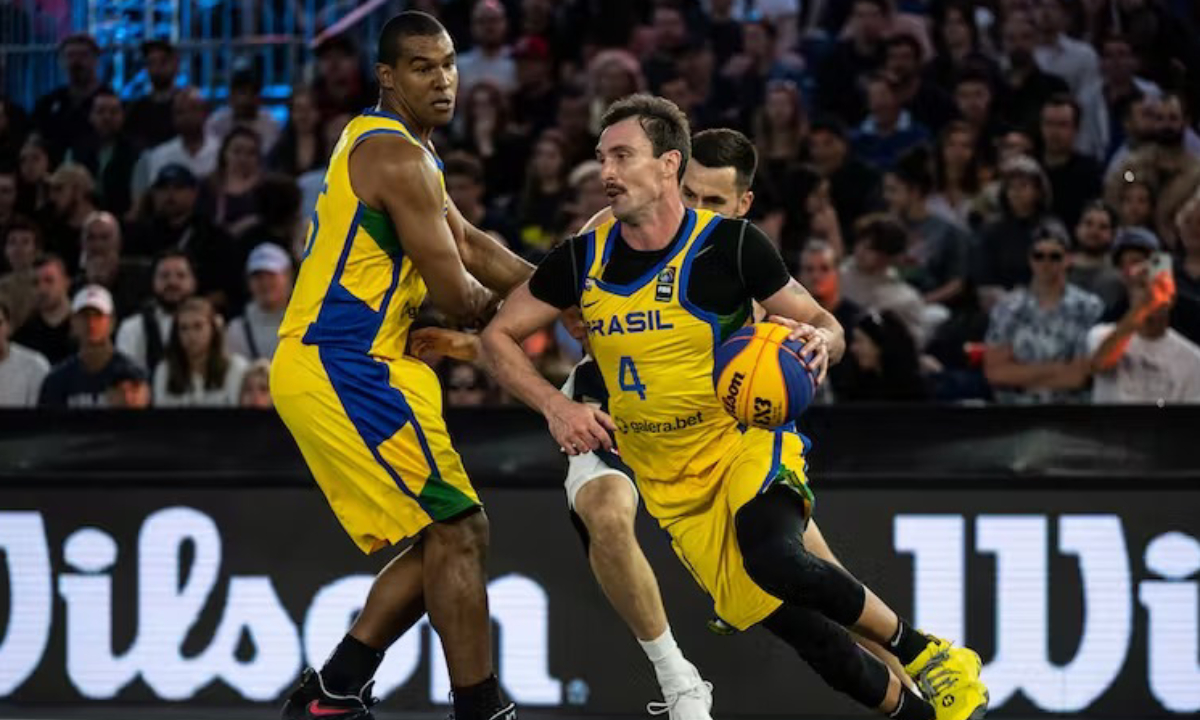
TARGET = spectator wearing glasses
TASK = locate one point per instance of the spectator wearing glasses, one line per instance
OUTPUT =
(1037, 335)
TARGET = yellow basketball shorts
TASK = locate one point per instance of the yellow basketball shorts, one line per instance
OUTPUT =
(705, 537)
(372, 433)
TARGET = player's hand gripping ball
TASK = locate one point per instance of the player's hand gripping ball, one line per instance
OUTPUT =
(760, 378)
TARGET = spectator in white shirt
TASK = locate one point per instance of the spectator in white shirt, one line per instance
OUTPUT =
(197, 370)
(870, 278)
(143, 336)
(21, 369)
(255, 334)
(245, 110)
(191, 147)
(1059, 54)
(1141, 359)
(490, 58)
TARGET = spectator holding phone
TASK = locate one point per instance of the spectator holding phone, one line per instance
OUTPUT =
(1141, 359)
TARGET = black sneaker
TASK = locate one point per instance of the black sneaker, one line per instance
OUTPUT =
(508, 713)
(311, 701)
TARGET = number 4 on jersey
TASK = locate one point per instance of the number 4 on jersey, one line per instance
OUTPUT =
(628, 378)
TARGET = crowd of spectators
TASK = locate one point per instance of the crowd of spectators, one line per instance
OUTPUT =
(982, 191)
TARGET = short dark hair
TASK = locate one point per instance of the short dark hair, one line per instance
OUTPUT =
(882, 233)
(106, 91)
(1100, 206)
(157, 45)
(662, 120)
(464, 164)
(913, 169)
(81, 38)
(1113, 37)
(50, 259)
(23, 223)
(173, 254)
(722, 147)
(907, 40)
(1061, 99)
(832, 125)
(410, 23)
(884, 6)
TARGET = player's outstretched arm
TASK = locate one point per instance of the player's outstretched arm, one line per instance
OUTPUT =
(396, 175)
(578, 428)
(485, 257)
(818, 328)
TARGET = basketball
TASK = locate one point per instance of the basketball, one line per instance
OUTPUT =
(759, 377)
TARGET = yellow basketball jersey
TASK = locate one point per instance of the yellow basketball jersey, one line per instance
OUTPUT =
(655, 350)
(356, 289)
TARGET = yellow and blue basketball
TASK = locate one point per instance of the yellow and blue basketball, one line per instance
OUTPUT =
(760, 378)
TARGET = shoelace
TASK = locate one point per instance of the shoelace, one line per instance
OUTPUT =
(935, 677)
(659, 707)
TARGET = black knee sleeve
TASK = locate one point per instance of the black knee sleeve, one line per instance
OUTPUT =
(832, 653)
(770, 530)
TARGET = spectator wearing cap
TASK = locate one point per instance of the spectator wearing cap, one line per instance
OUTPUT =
(176, 224)
(889, 130)
(61, 115)
(128, 389)
(22, 244)
(83, 379)
(1059, 54)
(853, 58)
(869, 277)
(108, 153)
(72, 200)
(1075, 178)
(254, 334)
(535, 100)
(198, 371)
(854, 186)
(489, 58)
(466, 186)
(191, 147)
(1026, 86)
(48, 329)
(1004, 244)
(127, 279)
(1091, 267)
(936, 260)
(301, 146)
(1132, 248)
(143, 336)
(341, 85)
(244, 110)
(1141, 359)
(929, 104)
(150, 120)
(1037, 334)
(21, 370)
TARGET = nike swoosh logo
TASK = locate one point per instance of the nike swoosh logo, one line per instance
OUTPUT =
(587, 305)
(315, 709)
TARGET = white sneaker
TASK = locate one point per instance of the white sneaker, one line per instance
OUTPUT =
(687, 702)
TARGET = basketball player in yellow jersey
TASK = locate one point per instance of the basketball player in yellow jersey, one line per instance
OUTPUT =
(659, 288)
(366, 417)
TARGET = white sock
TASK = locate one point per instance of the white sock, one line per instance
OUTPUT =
(670, 666)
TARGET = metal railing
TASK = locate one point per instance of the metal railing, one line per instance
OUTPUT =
(212, 37)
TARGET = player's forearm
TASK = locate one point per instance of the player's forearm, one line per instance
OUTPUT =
(507, 362)
(492, 264)
(835, 335)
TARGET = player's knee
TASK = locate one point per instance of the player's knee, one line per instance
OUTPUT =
(607, 507)
(770, 539)
(465, 536)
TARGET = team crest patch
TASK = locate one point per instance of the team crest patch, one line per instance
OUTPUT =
(666, 281)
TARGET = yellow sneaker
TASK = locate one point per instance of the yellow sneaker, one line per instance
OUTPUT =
(949, 678)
